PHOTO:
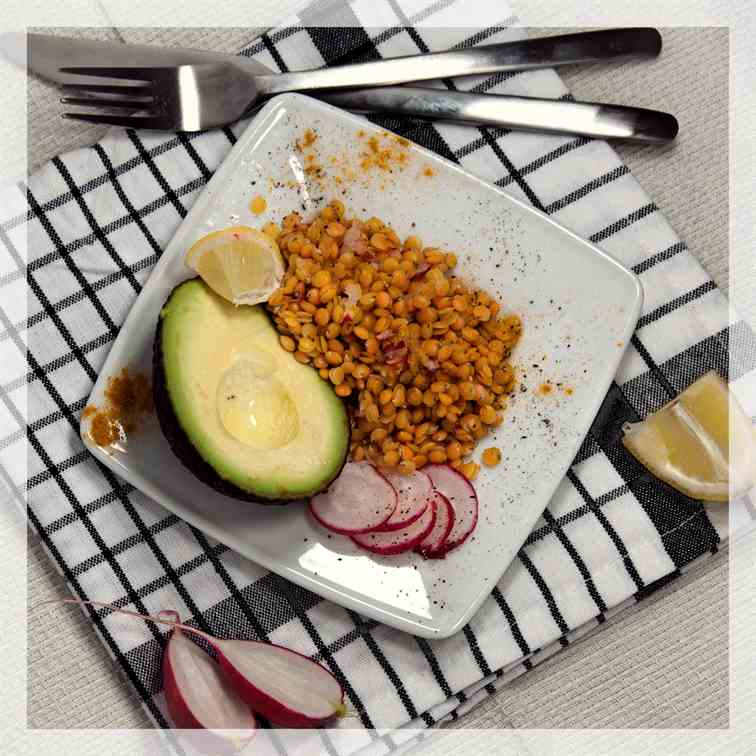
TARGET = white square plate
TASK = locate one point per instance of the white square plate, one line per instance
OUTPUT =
(578, 306)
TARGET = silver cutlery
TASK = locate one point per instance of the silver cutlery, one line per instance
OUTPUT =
(200, 96)
(184, 99)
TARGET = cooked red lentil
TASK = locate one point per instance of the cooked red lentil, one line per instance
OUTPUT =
(491, 456)
(470, 470)
(421, 357)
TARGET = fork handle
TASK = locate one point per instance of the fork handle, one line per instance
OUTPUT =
(521, 113)
(540, 52)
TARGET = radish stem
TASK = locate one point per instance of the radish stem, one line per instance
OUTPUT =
(158, 620)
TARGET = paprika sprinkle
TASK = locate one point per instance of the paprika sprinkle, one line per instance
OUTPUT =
(128, 400)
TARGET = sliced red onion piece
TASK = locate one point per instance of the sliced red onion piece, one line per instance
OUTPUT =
(352, 234)
(413, 494)
(422, 267)
(198, 694)
(353, 241)
(428, 363)
(398, 541)
(353, 293)
(359, 500)
(461, 495)
(432, 546)
(396, 354)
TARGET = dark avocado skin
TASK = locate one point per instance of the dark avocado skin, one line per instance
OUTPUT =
(182, 446)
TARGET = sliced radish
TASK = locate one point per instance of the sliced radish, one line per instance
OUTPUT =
(359, 500)
(432, 546)
(461, 495)
(282, 685)
(397, 541)
(198, 695)
(413, 494)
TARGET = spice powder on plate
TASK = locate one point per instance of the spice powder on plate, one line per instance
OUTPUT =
(128, 399)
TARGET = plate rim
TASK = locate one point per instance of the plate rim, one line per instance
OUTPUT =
(452, 625)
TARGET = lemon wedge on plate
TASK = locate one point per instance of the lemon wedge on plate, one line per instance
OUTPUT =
(701, 443)
(241, 264)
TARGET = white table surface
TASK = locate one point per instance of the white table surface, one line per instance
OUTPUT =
(663, 663)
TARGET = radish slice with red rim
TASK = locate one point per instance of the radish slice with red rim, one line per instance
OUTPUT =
(413, 494)
(397, 541)
(199, 696)
(461, 495)
(431, 547)
(284, 686)
(358, 501)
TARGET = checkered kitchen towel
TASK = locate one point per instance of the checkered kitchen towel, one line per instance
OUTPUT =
(97, 220)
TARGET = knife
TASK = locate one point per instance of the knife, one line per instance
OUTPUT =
(47, 53)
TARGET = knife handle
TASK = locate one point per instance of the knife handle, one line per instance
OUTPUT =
(540, 52)
(521, 113)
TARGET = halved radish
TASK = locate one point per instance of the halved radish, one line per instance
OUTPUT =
(359, 500)
(413, 494)
(198, 695)
(288, 688)
(282, 685)
(431, 547)
(397, 541)
(461, 495)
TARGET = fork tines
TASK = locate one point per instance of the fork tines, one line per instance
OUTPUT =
(136, 92)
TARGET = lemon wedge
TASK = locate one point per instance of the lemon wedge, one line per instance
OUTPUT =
(241, 264)
(701, 443)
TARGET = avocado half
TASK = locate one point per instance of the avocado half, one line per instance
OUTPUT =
(236, 408)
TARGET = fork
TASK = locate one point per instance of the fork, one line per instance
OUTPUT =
(197, 96)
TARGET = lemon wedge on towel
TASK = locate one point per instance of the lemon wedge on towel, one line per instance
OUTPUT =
(701, 443)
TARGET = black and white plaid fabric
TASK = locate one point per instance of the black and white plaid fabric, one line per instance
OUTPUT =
(93, 223)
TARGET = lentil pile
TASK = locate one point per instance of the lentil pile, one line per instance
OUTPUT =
(420, 356)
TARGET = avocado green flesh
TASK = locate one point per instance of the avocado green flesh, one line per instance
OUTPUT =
(253, 422)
